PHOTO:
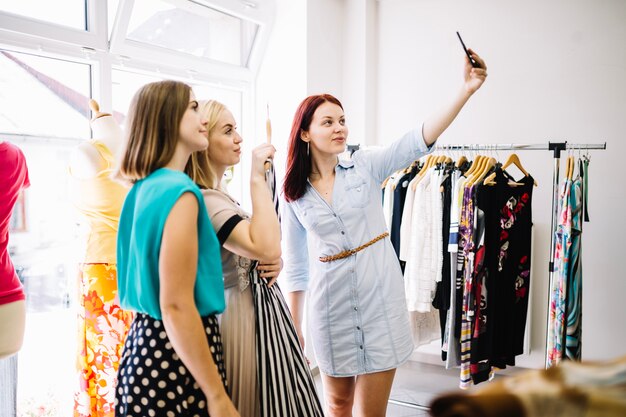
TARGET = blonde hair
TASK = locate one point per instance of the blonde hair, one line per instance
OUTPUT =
(199, 167)
(153, 127)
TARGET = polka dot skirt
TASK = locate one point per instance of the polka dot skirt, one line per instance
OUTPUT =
(153, 381)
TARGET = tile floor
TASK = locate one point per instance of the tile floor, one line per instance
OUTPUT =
(416, 384)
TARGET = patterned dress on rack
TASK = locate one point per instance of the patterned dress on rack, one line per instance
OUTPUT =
(466, 243)
(558, 292)
(575, 276)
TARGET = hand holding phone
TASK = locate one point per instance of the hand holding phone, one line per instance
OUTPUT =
(469, 56)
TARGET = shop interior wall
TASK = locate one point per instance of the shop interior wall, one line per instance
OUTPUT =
(557, 72)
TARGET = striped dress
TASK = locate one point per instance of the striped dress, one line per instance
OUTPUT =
(285, 382)
(257, 328)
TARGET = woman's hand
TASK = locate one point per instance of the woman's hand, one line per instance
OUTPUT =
(260, 154)
(270, 270)
(221, 406)
(474, 77)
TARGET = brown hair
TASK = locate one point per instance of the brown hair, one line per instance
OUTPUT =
(298, 159)
(199, 167)
(153, 128)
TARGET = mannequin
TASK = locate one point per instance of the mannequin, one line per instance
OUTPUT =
(102, 324)
(14, 174)
(86, 161)
(14, 178)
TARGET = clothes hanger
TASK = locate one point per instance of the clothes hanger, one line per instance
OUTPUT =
(488, 164)
(569, 172)
(396, 176)
(268, 136)
(481, 161)
(477, 167)
(477, 160)
(430, 160)
(513, 159)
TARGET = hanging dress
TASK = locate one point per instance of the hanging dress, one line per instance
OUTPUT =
(558, 292)
(573, 319)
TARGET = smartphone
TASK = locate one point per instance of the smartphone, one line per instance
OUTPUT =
(472, 60)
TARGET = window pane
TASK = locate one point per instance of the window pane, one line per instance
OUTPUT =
(46, 255)
(229, 98)
(43, 96)
(195, 29)
(125, 85)
(70, 13)
(112, 11)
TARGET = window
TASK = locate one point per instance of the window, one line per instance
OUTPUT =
(71, 13)
(111, 13)
(125, 85)
(46, 256)
(54, 56)
(208, 33)
(43, 96)
(45, 112)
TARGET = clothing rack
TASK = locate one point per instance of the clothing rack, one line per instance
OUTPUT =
(556, 148)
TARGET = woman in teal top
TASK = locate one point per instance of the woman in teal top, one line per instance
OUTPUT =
(172, 360)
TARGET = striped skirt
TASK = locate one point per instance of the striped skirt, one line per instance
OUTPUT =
(286, 386)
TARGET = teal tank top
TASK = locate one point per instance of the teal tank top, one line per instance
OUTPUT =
(145, 210)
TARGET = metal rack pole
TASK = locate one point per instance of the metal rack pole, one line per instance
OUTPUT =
(519, 146)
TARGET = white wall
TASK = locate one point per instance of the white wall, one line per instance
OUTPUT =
(557, 72)
(325, 32)
(282, 77)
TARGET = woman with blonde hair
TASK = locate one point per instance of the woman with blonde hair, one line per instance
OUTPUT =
(172, 359)
(251, 263)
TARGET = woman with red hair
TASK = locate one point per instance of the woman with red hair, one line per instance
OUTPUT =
(356, 307)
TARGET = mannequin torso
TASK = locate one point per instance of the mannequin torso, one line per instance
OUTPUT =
(86, 161)
(14, 174)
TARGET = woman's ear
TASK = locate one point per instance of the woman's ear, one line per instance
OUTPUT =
(304, 135)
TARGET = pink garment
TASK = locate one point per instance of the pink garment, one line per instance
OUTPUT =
(13, 179)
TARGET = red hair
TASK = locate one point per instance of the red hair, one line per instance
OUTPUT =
(298, 161)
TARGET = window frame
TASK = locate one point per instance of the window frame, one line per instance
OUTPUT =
(261, 14)
(93, 47)
(95, 36)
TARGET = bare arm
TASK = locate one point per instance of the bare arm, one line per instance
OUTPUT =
(177, 271)
(260, 238)
(435, 125)
(295, 300)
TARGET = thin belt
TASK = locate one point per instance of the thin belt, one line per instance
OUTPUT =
(350, 252)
